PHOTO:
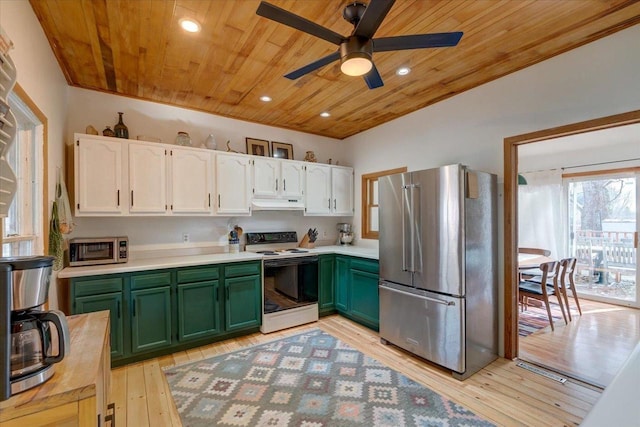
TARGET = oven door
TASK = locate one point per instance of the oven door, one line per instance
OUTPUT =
(290, 282)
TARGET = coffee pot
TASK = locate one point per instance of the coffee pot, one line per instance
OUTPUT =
(27, 351)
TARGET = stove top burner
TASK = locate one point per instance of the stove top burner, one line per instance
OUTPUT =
(267, 252)
(282, 251)
(297, 251)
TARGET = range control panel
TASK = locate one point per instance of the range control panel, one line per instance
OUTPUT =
(272, 237)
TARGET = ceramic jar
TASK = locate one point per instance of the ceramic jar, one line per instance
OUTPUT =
(183, 139)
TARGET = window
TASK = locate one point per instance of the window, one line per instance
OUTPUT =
(370, 201)
(22, 231)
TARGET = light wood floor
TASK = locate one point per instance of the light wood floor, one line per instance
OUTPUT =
(592, 347)
(502, 392)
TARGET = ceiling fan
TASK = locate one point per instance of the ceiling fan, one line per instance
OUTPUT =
(356, 50)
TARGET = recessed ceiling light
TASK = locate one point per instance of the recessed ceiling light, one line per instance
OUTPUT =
(189, 25)
(325, 114)
(403, 71)
(265, 98)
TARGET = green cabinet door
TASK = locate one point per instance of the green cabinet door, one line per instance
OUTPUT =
(243, 305)
(365, 302)
(198, 310)
(150, 319)
(326, 272)
(112, 302)
(342, 284)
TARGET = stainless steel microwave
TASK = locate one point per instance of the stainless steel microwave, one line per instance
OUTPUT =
(98, 250)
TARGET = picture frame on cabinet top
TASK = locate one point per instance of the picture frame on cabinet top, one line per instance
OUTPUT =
(258, 147)
(282, 150)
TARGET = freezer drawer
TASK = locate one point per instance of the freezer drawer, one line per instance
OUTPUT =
(424, 323)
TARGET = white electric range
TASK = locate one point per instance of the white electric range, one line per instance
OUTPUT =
(290, 280)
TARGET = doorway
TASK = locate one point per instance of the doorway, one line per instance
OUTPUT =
(511, 209)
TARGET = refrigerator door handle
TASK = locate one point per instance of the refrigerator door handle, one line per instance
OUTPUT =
(437, 301)
(405, 212)
(415, 217)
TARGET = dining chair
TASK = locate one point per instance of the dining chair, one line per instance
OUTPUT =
(567, 274)
(541, 291)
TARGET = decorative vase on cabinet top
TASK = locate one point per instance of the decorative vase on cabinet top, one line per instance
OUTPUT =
(121, 130)
(210, 142)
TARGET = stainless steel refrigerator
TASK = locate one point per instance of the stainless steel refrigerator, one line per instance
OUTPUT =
(438, 266)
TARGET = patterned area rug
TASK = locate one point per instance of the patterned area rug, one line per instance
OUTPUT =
(536, 318)
(310, 379)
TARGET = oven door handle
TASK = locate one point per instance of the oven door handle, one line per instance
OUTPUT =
(290, 261)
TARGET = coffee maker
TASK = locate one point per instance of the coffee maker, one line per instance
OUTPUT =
(26, 347)
(345, 234)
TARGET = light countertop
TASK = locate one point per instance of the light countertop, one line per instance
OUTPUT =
(193, 260)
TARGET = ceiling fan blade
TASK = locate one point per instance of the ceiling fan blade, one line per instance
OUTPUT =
(373, 78)
(417, 41)
(299, 23)
(373, 16)
(313, 66)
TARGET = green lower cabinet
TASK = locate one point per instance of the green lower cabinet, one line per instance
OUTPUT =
(243, 302)
(150, 319)
(198, 310)
(342, 283)
(326, 284)
(113, 303)
(365, 301)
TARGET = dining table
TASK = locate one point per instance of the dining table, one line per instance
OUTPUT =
(532, 261)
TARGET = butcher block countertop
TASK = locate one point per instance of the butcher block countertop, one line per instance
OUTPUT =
(78, 378)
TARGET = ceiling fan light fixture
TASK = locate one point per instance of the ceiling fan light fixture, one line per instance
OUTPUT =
(190, 25)
(356, 64)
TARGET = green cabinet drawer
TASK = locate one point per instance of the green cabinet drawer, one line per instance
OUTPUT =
(151, 280)
(105, 285)
(200, 274)
(361, 264)
(243, 269)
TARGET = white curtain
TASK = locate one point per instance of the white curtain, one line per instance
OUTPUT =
(540, 212)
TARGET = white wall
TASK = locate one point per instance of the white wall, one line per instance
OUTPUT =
(42, 80)
(595, 80)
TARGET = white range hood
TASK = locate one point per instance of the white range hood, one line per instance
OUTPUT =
(277, 205)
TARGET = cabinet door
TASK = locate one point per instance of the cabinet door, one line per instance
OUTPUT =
(243, 302)
(150, 319)
(318, 190)
(233, 174)
(342, 191)
(190, 182)
(266, 177)
(292, 174)
(342, 283)
(365, 302)
(147, 178)
(198, 310)
(326, 300)
(113, 303)
(98, 177)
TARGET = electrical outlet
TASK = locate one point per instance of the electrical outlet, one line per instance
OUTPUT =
(185, 237)
(324, 234)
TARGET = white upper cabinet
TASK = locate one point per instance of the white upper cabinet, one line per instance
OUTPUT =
(275, 178)
(233, 184)
(147, 178)
(318, 189)
(342, 191)
(292, 174)
(190, 181)
(98, 187)
(266, 174)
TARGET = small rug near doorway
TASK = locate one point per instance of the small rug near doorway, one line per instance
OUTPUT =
(536, 318)
(310, 379)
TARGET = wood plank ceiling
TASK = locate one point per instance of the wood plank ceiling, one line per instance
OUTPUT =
(135, 48)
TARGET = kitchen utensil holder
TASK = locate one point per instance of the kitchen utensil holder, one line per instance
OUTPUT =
(307, 243)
